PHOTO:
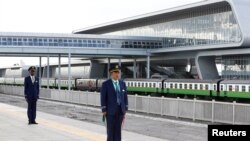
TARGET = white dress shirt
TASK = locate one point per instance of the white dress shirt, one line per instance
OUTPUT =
(32, 78)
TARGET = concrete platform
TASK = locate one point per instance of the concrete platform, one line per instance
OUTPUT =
(14, 127)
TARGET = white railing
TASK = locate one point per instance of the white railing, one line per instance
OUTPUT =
(212, 111)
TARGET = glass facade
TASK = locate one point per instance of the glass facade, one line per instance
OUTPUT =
(76, 42)
(236, 67)
(208, 26)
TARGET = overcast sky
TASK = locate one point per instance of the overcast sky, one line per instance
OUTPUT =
(64, 16)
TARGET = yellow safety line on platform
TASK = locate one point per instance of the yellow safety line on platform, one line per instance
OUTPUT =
(59, 126)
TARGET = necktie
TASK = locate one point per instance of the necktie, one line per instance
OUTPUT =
(117, 90)
(33, 80)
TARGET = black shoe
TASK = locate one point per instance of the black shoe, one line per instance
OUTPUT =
(34, 122)
(30, 123)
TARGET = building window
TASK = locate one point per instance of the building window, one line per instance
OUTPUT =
(202, 27)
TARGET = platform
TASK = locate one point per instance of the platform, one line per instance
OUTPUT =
(14, 127)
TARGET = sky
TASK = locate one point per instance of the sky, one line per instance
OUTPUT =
(64, 16)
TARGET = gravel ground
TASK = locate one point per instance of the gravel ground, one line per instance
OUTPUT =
(161, 127)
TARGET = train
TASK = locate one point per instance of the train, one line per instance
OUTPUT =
(237, 89)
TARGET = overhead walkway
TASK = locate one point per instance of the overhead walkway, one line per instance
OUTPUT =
(76, 44)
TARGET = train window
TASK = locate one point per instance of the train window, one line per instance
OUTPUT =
(248, 88)
(221, 87)
(230, 88)
(180, 86)
(159, 85)
(150, 85)
(190, 86)
(195, 86)
(132, 84)
(142, 84)
(185, 86)
(165, 85)
(175, 86)
(201, 86)
(154, 85)
(243, 88)
(146, 84)
(236, 88)
(206, 87)
(171, 85)
(215, 87)
(139, 84)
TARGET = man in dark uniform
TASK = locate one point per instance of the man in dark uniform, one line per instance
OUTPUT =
(114, 103)
(31, 92)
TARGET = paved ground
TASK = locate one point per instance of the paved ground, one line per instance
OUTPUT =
(14, 127)
(167, 129)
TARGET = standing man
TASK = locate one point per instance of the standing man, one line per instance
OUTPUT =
(31, 92)
(114, 103)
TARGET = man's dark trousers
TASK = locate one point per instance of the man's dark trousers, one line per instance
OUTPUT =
(114, 123)
(31, 110)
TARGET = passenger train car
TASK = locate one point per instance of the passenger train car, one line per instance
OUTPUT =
(163, 87)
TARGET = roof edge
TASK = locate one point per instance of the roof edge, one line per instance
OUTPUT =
(151, 14)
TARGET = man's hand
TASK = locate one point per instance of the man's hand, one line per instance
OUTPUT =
(104, 113)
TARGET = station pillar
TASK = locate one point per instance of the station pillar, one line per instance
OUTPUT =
(59, 71)
(120, 62)
(69, 70)
(108, 75)
(148, 66)
(40, 71)
(206, 67)
(48, 57)
(134, 68)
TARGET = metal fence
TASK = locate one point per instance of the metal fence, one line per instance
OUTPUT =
(213, 111)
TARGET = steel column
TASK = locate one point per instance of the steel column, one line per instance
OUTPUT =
(69, 70)
(134, 69)
(48, 71)
(59, 71)
(108, 67)
(40, 71)
(148, 66)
